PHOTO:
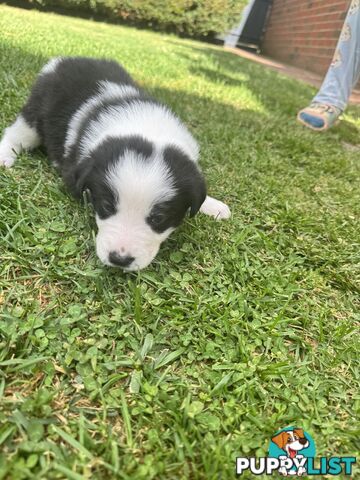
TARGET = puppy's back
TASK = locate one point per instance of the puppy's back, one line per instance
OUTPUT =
(63, 85)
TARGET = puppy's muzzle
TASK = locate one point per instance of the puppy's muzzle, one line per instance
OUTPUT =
(118, 260)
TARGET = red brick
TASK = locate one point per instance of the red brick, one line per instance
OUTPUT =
(305, 32)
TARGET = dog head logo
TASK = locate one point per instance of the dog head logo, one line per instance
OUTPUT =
(291, 441)
(292, 446)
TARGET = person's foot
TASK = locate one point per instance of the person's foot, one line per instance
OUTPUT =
(318, 116)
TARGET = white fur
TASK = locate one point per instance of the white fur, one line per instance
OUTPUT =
(215, 208)
(51, 65)
(153, 122)
(108, 90)
(127, 232)
(18, 137)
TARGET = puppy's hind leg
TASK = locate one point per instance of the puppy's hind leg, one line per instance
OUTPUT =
(215, 208)
(18, 137)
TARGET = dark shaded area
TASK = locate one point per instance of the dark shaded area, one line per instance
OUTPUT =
(254, 28)
(86, 14)
(255, 24)
(99, 16)
(282, 96)
(228, 66)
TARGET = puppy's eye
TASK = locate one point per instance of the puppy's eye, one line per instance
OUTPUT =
(104, 208)
(156, 219)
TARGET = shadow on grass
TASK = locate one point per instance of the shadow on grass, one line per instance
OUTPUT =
(288, 94)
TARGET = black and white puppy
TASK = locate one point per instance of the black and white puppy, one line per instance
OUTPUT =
(107, 136)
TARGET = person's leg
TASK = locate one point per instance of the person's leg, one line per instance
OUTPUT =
(343, 74)
(344, 70)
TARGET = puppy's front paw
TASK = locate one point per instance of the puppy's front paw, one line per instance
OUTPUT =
(215, 208)
(7, 156)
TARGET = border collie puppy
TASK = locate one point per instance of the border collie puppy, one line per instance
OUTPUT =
(108, 137)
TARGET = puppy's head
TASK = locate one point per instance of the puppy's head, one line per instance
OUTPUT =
(140, 195)
(291, 441)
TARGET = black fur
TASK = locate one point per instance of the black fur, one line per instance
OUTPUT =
(190, 192)
(55, 98)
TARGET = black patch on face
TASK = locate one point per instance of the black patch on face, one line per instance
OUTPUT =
(102, 197)
(166, 215)
(190, 191)
(91, 172)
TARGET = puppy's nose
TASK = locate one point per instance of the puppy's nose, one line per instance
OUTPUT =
(120, 260)
(303, 441)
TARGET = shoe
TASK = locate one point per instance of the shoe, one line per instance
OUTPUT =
(319, 116)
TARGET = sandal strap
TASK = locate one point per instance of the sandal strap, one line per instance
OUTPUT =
(324, 108)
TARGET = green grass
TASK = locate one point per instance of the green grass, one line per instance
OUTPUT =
(236, 330)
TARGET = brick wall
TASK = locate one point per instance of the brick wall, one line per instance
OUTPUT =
(305, 32)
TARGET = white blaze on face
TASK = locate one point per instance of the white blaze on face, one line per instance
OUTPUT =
(140, 183)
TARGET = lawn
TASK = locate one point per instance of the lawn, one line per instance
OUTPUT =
(238, 329)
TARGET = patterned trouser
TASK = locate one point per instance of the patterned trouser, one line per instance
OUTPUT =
(344, 71)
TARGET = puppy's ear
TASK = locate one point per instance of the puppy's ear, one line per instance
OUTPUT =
(299, 432)
(280, 439)
(76, 179)
(197, 193)
(187, 177)
(82, 178)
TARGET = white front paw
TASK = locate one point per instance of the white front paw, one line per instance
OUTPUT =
(215, 208)
(7, 156)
